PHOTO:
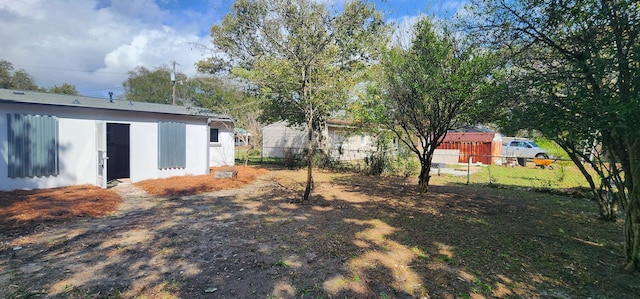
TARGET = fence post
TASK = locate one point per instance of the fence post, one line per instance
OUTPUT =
(469, 170)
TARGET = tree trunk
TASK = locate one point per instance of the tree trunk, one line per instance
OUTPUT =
(424, 177)
(309, 187)
(606, 205)
(246, 153)
(632, 235)
(632, 213)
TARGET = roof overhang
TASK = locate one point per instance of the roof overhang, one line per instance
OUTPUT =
(50, 99)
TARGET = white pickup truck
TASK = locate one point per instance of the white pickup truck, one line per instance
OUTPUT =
(523, 149)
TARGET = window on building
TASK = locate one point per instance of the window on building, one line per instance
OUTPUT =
(32, 145)
(214, 135)
(172, 145)
(338, 139)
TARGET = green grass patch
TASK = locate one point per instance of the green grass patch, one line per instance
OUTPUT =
(563, 175)
(283, 264)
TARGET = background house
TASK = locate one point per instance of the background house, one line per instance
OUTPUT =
(52, 140)
(340, 140)
(242, 137)
(483, 147)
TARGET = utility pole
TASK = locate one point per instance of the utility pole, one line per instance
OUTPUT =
(173, 80)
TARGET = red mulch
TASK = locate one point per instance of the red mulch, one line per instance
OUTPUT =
(24, 209)
(194, 184)
(30, 207)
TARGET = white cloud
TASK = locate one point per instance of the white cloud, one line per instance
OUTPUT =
(92, 44)
(404, 30)
(439, 11)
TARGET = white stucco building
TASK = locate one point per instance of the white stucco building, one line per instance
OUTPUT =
(340, 140)
(50, 140)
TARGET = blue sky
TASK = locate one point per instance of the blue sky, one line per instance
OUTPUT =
(94, 43)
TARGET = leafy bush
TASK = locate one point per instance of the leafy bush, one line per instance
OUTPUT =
(376, 162)
(403, 163)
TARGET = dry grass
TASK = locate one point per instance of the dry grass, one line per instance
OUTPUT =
(30, 207)
(194, 184)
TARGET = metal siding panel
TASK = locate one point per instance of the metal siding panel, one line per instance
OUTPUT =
(56, 146)
(21, 131)
(44, 148)
(161, 145)
(169, 150)
(173, 140)
(36, 143)
(23, 141)
(33, 145)
(39, 145)
(12, 146)
(20, 155)
(171, 145)
(182, 145)
(168, 153)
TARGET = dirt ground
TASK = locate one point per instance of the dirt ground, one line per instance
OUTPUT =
(358, 237)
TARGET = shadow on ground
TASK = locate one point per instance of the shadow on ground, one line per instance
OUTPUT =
(359, 237)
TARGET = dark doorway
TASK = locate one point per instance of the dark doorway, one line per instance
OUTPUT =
(118, 151)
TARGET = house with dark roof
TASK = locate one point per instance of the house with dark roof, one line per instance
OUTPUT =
(51, 140)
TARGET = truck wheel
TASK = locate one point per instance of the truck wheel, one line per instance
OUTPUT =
(522, 161)
(542, 156)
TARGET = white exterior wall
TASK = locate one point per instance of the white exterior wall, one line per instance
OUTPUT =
(354, 147)
(144, 151)
(76, 139)
(277, 137)
(446, 156)
(222, 153)
(78, 153)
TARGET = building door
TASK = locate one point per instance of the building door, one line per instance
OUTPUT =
(118, 151)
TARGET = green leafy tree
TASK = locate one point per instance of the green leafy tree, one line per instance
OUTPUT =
(23, 81)
(155, 86)
(369, 115)
(578, 63)
(19, 79)
(6, 72)
(532, 109)
(428, 89)
(302, 57)
(65, 88)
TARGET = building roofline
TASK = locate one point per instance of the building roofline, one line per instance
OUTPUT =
(41, 98)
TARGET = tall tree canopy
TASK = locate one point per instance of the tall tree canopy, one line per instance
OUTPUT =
(22, 80)
(19, 79)
(574, 65)
(6, 71)
(302, 57)
(156, 86)
(65, 88)
(428, 89)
